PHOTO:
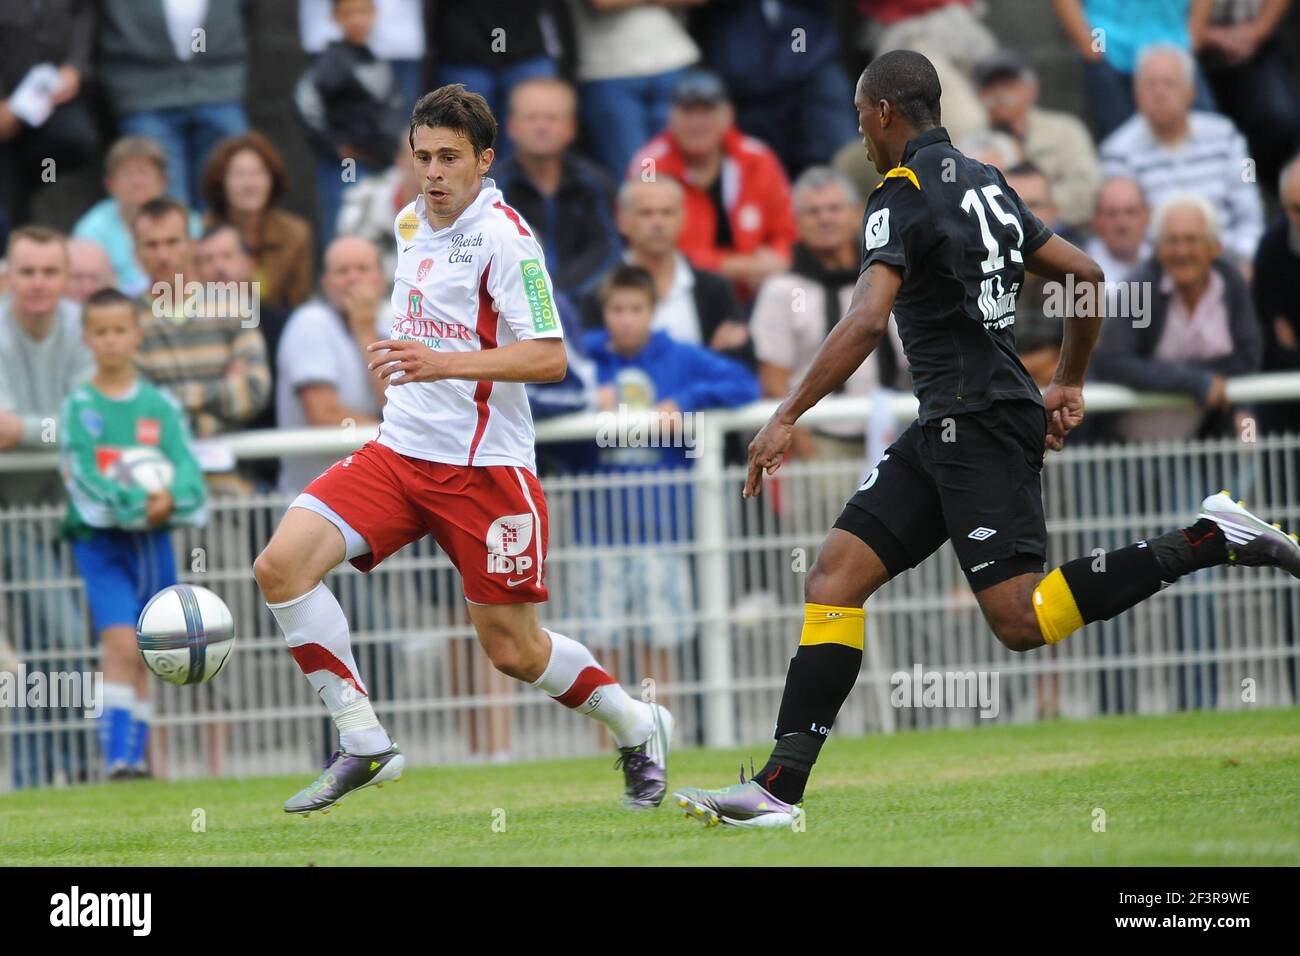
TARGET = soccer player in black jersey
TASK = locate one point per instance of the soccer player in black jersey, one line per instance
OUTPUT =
(946, 246)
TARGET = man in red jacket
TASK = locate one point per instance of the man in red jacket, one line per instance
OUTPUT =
(738, 216)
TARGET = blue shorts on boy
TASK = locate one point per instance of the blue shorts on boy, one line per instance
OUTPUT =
(122, 571)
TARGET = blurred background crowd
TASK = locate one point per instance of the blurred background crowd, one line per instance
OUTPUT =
(692, 168)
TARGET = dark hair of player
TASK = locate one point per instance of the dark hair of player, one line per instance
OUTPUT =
(908, 82)
(160, 207)
(455, 108)
(625, 276)
(107, 299)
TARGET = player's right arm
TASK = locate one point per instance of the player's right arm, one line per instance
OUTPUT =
(854, 338)
(1059, 260)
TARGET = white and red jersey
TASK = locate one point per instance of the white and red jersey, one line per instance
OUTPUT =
(480, 283)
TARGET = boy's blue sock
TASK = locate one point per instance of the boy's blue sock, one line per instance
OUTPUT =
(115, 725)
(141, 716)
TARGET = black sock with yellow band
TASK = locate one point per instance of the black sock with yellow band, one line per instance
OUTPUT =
(1095, 589)
(822, 672)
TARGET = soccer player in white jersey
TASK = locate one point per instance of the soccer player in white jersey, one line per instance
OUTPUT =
(473, 320)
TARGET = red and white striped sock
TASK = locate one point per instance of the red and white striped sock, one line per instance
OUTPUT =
(573, 678)
(316, 631)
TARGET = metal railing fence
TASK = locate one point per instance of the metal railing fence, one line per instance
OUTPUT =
(711, 617)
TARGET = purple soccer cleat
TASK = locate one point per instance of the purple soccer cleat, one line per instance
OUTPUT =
(744, 804)
(345, 773)
(645, 767)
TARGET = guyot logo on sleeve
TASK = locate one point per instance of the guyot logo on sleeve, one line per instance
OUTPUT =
(507, 540)
(538, 295)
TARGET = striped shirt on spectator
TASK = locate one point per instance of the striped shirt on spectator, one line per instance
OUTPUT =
(1210, 162)
(192, 359)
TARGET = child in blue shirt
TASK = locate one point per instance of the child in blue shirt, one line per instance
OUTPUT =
(648, 579)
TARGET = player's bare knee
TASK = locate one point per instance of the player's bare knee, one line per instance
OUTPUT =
(279, 577)
(505, 659)
(824, 587)
(269, 573)
(814, 585)
(508, 657)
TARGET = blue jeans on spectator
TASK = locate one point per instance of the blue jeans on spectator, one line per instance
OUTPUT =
(494, 83)
(410, 79)
(187, 134)
(805, 124)
(1110, 97)
(621, 115)
(1260, 97)
(330, 187)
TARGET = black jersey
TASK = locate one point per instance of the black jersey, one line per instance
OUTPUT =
(960, 236)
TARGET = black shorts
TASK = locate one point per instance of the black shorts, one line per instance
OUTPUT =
(974, 479)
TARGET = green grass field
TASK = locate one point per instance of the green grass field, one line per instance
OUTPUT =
(1200, 789)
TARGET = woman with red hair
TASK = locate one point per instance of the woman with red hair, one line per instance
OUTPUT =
(243, 183)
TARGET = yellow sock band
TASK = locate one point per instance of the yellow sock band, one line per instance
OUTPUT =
(823, 624)
(1058, 615)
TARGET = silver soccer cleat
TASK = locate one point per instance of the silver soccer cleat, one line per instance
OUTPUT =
(346, 773)
(744, 804)
(1252, 541)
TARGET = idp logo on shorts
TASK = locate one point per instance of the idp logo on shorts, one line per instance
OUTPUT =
(507, 539)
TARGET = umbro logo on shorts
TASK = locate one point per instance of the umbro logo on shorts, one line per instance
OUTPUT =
(980, 534)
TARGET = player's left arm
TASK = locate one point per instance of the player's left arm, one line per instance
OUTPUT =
(1057, 260)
